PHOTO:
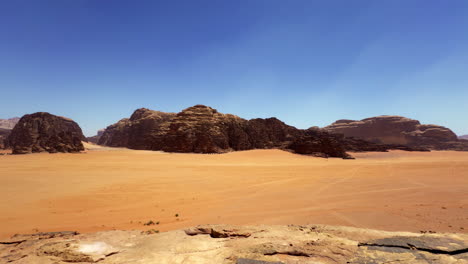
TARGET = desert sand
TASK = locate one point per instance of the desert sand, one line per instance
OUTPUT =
(107, 189)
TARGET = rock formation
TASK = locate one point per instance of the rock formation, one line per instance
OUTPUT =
(43, 132)
(138, 131)
(463, 137)
(202, 129)
(238, 245)
(397, 130)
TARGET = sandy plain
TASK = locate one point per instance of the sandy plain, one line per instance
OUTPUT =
(107, 189)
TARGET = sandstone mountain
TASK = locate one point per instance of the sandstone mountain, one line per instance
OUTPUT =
(463, 137)
(202, 129)
(308, 244)
(9, 123)
(398, 130)
(44, 132)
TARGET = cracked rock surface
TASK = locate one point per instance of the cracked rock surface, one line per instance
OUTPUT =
(238, 244)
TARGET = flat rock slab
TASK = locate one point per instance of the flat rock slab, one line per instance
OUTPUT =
(433, 244)
(292, 244)
(252, 261)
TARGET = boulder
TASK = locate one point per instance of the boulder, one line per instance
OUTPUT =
(44, 132)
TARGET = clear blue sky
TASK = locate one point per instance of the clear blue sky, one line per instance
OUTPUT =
(306, 62)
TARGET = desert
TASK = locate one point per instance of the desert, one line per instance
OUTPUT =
(233, 132)
(107, 188)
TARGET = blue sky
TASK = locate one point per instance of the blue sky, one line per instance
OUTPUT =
(306, 62)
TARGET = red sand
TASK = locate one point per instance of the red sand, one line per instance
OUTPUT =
(122, 189)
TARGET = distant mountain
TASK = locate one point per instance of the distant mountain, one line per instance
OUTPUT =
(399, 130)
(9, 123)
(95, 139)
(463, 137)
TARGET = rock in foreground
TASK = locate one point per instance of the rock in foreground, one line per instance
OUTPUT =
(238, 244)
(44, 132)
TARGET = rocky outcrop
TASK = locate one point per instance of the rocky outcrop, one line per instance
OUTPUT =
(396, 130)
(44, 132)
(202, 129)
(238, 245)
(138, 131)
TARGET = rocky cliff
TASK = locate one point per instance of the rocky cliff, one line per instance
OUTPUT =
(397, 130)
(44, 132)
(238, 245)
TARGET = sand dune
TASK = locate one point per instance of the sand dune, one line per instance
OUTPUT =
(121, 189)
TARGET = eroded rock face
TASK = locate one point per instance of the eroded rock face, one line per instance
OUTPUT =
(202, 129)
(239, 245)
(396, 130)
(44, 132)
(136, 132)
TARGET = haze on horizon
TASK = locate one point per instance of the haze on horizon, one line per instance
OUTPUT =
(307, 63)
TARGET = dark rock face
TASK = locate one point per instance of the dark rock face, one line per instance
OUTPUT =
(202, 129)
(138, 132)
(3, 136)
(44, 132)
(6, 125)
(396, 130)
